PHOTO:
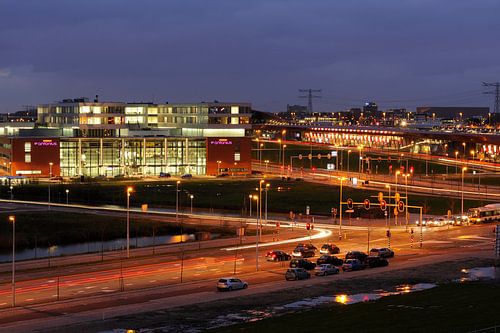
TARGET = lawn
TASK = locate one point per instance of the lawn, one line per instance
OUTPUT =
(447, 308)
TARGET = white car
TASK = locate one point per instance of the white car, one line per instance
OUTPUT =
(231, 283)
(325, 269)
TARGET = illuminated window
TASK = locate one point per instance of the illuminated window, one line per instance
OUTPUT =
(27, 158)
(237, 156)
(27, 147)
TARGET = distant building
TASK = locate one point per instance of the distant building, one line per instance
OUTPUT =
(370, 108)
(452, 112)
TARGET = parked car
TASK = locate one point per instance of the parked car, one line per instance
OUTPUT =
(296, 274)
(302, 263)
(328, 259)
(361, 256)
(329, 248)
(231, 283)
(303, 252)
(383, 252)
(325, 269)
(309, 246)
(376, 262)
(353, 265)
(164, 175)
(187, 176)
(221, 175)
(277, 256)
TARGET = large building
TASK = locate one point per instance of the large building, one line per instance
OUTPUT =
(81, 138)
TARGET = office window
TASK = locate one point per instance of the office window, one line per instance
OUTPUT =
(27, 158)
(27, 147)
(237, 156)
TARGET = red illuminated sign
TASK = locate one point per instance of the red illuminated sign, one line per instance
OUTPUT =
(221, 142)
(45, 143)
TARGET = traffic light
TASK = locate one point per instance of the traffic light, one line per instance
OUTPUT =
(401, 206)
(366, 204)
(349, 203)
(388, 233)
(383, 205)
(411, 169)
(308, 226)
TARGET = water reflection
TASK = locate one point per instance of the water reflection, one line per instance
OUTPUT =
(89, 247)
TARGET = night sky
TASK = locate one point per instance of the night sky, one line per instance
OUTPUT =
(398, 53)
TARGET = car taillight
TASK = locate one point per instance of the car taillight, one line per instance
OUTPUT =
(274, 256)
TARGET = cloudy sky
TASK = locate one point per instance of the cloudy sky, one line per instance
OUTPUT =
(398, 53)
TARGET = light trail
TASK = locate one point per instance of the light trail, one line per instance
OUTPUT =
(323, 233)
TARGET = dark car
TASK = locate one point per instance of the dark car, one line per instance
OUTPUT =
(164, 175)
(329, 249)
(221, 175)
(383, 252)
(303, 252)
(309, 246)
(277, 256)
(376, 262)
(361, 256)
(302, 263)
(187, 176)
(296, 274)
(353, 265)
(328, 259)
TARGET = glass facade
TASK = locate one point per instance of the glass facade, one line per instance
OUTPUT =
(132, 156)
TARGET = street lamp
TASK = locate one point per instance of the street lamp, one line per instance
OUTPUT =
(267, 189)
(360, 158)
(260, 154)
(406, 196)
(12, 219)
(463, 144)
(340, 207)
(191, 197)
(463, 170)
(218, 167)
(67, 196)
(11, 192)
(250, 197)
(456, 161)
(283, 168)
(472, 152)
(388, 216)
(267, 162)
(129, 192)
(348, 154)
(279, 151)
(396, 174)
(50, 175)
(256, 198)
(177, 200)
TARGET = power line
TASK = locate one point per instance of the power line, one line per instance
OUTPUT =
(495, 92)
(310, 97)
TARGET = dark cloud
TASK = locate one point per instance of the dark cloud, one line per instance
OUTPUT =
(259, 51)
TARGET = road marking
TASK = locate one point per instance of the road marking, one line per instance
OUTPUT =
(152, 281)
(90, 287)
(29, 299)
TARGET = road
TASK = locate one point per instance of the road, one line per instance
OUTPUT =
(143, 279)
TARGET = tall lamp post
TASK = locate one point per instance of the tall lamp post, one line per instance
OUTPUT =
(265, 215)
(129, 192)
(456, 161)
(50, 176)
(250, 197)
(389, 204)
(463, 171)
(191, 197)
(12, 219)
(340, 208)
(218, 167)
(348, 154)
(267, 163)
(67, 196)
(407, 200)
(283, 167)
(177, 200)
(256, 198)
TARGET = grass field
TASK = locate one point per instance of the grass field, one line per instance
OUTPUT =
(447, 308)
(222, 194)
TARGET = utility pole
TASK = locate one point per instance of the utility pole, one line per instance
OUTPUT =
(310, 97)
(495, 92)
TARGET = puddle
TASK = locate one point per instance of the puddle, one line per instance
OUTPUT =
(480, 273)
